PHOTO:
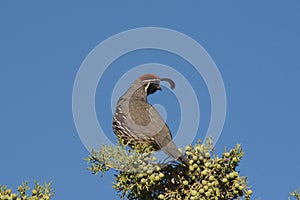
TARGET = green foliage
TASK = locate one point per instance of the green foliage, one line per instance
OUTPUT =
(139, 177)
(41, 192)
(119, 158)
(295, 194)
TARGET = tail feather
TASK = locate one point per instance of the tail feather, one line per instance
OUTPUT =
(184, 160)
(171, 150)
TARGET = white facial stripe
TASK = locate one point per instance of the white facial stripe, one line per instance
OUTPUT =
(152, 80)
(146, 88)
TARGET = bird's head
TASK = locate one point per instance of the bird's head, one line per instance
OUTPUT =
(151, 83)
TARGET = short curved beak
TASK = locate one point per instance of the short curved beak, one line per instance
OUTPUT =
(158, 87)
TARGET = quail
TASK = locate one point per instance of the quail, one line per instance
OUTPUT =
(135, 119)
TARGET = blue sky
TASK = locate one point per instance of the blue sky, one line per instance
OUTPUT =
(255, 45)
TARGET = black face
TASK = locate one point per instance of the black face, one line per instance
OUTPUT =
(152, 88)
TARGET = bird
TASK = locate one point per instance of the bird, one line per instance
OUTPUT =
(136, 119)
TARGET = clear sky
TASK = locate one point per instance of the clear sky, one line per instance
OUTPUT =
(255, 44)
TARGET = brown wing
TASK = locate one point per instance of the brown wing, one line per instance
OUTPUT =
(143, 123)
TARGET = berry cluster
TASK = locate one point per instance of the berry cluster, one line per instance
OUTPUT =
(40, 192)
(207, 176)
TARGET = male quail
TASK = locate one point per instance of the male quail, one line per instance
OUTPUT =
(136, 119)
